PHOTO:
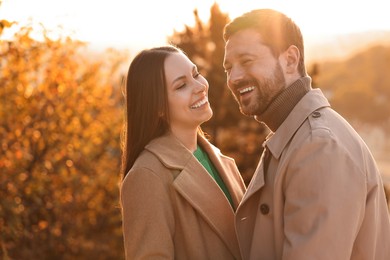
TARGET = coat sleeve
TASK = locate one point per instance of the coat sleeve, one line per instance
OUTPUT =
(147, 214)
(325, 196)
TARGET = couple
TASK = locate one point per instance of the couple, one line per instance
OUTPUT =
(316, 193)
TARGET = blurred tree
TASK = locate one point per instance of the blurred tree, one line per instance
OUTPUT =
(60, 123)
(236, 135)
(313, 72)
(359, 87)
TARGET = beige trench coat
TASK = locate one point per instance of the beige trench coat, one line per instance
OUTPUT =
(173, 209)
(323, 197)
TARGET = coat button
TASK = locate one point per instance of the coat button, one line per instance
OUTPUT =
(264, 209)
(316, 114)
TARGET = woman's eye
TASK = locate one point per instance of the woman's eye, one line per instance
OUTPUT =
(181, 86)
(197, 74)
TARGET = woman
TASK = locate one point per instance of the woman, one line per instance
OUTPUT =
(179, 193)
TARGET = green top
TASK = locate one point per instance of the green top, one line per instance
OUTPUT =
(204, 159)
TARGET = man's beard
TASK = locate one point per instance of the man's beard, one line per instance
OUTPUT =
(267, 90)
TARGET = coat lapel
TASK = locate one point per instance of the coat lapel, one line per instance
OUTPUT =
(227, 170)
(257, 181)
(196, 185)
(276, 142)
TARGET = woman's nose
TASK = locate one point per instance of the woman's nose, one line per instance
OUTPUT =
(200, 86)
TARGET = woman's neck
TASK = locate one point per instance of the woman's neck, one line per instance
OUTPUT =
(187, 138)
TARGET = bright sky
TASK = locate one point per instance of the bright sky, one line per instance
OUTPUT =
(144, 23)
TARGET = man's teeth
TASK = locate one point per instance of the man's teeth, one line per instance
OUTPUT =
(200, 103)
(245, 90)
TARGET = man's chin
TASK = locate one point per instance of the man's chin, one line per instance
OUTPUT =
(246, 112)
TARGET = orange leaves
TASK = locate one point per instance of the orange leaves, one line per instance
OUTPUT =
(60, 122)
(5, 24)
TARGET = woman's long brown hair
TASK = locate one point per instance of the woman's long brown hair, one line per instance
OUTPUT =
(146, 114)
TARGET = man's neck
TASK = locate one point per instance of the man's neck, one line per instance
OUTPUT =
(282, 105)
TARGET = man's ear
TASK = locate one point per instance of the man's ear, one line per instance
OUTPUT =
(291, 58)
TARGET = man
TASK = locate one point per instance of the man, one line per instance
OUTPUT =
(317, 192)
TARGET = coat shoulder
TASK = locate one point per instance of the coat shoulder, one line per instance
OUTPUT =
(148, 162)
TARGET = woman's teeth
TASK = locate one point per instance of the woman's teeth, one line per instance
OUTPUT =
(200, 103)
(246, 90)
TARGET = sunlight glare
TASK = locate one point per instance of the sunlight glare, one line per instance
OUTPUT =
(145, 23)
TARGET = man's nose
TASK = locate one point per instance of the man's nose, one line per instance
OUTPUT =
(236, 75)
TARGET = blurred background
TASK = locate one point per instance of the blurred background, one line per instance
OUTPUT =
(62, 71)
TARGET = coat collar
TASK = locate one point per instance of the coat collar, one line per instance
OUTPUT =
(312, 101)
(276, 142)
(196, 185)
(167, 148)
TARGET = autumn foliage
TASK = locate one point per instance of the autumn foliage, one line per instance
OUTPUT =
(60, 123)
